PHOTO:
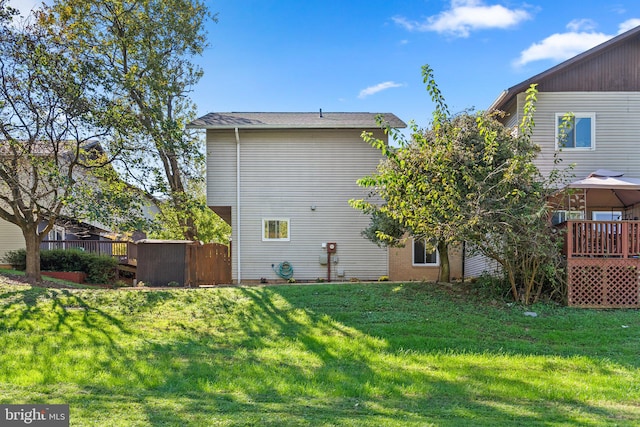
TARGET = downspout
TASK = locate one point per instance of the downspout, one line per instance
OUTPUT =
(238, 244)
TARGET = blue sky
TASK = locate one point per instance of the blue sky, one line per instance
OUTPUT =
(366, 55)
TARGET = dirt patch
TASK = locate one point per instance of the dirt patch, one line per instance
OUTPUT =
(16, 279)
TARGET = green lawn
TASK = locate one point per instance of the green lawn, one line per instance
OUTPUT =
(316, 355)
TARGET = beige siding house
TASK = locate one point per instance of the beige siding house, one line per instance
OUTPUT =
(10, 239)
(601, 88)
(283, 182)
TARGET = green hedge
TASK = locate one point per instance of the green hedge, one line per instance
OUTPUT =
(17, 259)
(98, 268)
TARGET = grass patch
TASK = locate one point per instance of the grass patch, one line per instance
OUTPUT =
(379, 354)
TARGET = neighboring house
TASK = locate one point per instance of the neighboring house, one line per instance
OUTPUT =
(283, 182)
(65, 229)
(601, 87)
(10, 239)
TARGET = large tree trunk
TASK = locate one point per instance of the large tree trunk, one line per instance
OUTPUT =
(445, 268)
(32, 241)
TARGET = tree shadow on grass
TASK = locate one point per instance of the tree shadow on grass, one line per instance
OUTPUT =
(465, 391)
(21, 306)
(271, 356)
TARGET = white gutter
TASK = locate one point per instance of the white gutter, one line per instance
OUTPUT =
(238, 245)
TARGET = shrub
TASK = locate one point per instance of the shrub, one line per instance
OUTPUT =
(63, 260)
(98, 268)
(17, 259)
(496, 286)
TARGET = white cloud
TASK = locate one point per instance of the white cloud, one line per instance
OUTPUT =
(378, 88)
(561, 46)
(581, 25)
(628, 25)
(465, 16)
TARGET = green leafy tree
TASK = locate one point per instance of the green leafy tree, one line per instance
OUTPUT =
(514, 228)
(143, 50)
(51, 113)
(210, 227)
(469, 179)
(420, 182)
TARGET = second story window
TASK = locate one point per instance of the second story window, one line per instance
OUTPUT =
(577, 131)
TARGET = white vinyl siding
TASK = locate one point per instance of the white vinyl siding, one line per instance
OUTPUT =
(617, 131)
(477, 265)
(221, 167)
(283, 174)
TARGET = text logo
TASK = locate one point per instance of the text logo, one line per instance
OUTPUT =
(34, 415)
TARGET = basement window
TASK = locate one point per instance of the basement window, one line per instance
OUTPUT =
(424, 257)
(275, 230)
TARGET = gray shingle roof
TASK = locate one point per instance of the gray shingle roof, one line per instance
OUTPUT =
(294, 121)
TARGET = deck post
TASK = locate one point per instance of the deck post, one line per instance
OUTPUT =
(569, 239)
(625, 239)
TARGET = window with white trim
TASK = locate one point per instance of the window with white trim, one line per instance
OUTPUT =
(56, 233)
(423, 256)
(275, 230)
(576, 131)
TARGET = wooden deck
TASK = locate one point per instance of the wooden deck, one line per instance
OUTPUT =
(126, 252)
(608, 239)
(195, 264)
(603, 263)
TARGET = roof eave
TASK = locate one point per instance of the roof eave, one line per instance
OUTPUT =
(263, 127)
(510, 93)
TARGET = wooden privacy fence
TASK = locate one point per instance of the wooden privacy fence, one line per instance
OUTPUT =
(160, 262)
(603, 263)
(208, 264)
(183, 263)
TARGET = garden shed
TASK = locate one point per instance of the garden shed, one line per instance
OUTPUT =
(161, 262)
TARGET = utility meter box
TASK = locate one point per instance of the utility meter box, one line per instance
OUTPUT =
(331, 248)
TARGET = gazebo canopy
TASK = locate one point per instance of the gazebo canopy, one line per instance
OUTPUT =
(605, 188)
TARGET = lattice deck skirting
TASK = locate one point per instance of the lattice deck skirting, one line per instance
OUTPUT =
(604, 282)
